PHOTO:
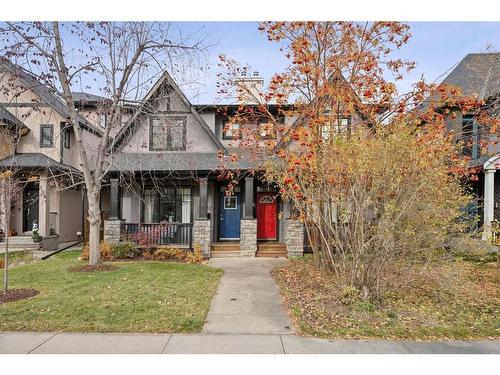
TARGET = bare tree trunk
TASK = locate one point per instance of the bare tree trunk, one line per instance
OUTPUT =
(94, 218)
(6, 231)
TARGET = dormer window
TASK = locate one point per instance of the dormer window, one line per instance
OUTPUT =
(230, 131)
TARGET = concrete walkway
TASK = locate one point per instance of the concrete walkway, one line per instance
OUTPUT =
(247, 300)
(98, 343)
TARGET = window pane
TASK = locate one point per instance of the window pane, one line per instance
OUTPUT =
(176, 133)
(46, 135)
(159, 135)
(230, 203)
(167, 205)
(183, 205)
(150, 206)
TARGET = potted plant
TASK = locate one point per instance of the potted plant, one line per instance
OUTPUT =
(35, 236)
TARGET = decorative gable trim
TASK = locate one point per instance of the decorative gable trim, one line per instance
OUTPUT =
(129, 127)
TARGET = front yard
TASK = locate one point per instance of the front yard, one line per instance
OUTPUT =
(146, 296)
(456, 299)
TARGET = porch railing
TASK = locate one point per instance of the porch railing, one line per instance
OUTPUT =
(159, 233)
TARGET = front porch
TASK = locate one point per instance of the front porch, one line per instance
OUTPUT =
(250, 221)
(57, 214)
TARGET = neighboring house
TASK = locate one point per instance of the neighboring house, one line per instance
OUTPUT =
(479, 74)
(36, 118)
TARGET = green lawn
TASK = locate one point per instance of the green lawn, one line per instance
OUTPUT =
(138, 297)
(455, 299)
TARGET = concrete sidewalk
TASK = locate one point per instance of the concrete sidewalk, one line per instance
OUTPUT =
(247, 300)
(98, 343)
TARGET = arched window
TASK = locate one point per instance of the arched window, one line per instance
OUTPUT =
(266, 199)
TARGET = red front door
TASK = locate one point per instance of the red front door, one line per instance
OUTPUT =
(266, 216)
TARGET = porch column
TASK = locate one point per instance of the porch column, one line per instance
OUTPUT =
(248, 226)
(43, 206)
(114, 198)
(249, 198)
(203, 208)
(489, 202)
(202, 225)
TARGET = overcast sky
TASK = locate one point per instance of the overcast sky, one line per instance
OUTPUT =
(435, 46)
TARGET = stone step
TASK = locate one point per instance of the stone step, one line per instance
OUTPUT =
(18, 239)
(224, 254)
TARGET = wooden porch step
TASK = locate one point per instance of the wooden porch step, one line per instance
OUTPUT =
(224, 254)
(226, 246)
(271, 254)
(271, 250)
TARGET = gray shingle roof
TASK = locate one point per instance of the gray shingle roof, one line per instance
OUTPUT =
(9, 119)
(34, 161)
(477, 73)
(174, 161)
(83, 98)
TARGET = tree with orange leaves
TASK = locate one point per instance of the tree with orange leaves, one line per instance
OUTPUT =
(373, 173)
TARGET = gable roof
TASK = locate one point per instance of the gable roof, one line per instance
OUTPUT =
(477, 73)
(336, 77)
(131, 123)
(47, 95)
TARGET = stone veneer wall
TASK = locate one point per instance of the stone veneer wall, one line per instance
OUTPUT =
(294, 237)
(248, 237)
(112, 231)
(202, 230)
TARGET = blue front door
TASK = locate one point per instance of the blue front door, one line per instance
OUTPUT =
(229, 217)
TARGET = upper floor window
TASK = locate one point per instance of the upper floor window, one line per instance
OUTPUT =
(470, 137)
(266, 130)
(46, 135)
(102, 120)
(230, 131)
(67, 138)
(339, 125)
(168, 133)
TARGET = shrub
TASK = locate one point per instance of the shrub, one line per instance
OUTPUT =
(377, 205)
(85, 252)
(364, 306)
(105, 248)
(350, 294)
(124, 250)
(2, 263)
(196, 256)
(169, 253)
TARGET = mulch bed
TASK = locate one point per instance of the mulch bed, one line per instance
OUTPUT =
(17, 294)
(94, 268)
